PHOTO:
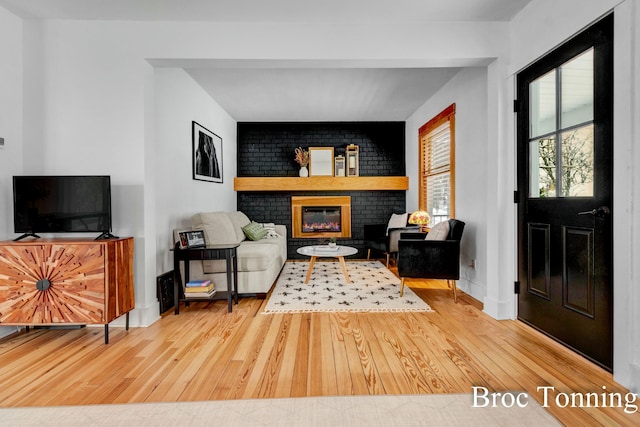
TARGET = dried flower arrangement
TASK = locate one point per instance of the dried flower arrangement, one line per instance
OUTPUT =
(302, 157)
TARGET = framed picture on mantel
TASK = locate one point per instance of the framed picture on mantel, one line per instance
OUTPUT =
(207, 154)
(320, 161)
(339, 166)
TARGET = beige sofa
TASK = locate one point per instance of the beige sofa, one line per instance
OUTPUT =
(259, 262)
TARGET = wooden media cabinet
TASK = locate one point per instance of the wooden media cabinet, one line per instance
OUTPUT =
(50, 282)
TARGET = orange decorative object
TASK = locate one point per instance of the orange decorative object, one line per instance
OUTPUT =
(65, 281)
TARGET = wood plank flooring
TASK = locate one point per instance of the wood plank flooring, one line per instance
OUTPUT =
(206, 353)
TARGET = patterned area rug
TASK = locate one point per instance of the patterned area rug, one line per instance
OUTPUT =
(373, 288)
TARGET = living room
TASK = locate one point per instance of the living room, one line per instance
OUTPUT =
(116, 98)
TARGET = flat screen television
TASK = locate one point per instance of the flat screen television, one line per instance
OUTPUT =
(62, 204)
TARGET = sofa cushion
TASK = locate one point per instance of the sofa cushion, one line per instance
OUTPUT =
(252, 256)
(254, 231)
(271, 230)
(239, 220)
(217, 226)
(279, 242)
(257, 256)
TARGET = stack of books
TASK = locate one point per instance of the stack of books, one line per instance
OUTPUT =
(199, 289)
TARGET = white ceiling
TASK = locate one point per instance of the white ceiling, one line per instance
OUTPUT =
(270, 10)
(290, 92)
(321, 94)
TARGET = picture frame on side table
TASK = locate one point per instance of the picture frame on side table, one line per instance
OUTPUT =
(192, 239)
(207, 154)
(321, 161)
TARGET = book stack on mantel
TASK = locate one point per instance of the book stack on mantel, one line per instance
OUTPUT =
(199, 289)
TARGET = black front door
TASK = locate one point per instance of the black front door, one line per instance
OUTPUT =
(565, 193)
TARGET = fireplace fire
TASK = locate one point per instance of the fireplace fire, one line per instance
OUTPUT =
(321, 218)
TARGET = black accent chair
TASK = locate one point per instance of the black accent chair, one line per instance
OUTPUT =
(431, 259)
(378, 240)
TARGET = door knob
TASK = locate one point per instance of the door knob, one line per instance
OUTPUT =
(600, 212)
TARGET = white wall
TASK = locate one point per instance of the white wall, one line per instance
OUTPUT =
(626, 196)
(10, 113)
(179, 100)
(468, 90)
(11, 68)
(545, 24)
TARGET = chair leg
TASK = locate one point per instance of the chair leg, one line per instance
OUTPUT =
(452, 285)
(388, 259)
(401, 286)
(368, 254)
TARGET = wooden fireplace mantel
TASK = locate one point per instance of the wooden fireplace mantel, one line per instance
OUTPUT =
(322, 183)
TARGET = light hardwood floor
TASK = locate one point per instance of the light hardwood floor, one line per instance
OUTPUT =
(206, 353)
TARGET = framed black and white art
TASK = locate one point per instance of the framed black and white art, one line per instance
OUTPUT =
(207, 154)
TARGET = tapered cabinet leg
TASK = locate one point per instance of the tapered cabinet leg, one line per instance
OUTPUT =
(402, 286)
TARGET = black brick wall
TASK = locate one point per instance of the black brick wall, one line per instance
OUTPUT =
(267, 149)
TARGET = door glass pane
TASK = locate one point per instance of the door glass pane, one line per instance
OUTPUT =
(438, 194)
(577, 90)
(577, 162)
(542, 95)
(542, 179)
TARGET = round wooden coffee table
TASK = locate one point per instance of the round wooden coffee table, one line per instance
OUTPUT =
(324, 251)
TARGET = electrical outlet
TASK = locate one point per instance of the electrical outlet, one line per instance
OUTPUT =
(472, 264)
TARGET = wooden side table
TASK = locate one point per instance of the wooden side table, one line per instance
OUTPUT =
(207, 253)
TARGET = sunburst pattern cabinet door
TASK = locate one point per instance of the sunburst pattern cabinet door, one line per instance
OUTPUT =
(54, 283)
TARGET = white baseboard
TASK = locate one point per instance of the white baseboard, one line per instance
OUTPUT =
(499, 310)
(634, 381)
(476, 290)
(140, 317)
(8, 330)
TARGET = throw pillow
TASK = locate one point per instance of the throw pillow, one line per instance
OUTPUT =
(271, 230)
(440, 231)
(397, 221)
(254, 231)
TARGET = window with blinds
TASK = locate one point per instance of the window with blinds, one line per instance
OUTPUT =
(436, 184)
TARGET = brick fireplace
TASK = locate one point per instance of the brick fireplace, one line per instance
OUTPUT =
(266, 150)
(315, 217)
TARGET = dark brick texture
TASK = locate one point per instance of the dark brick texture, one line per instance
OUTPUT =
(267, 149)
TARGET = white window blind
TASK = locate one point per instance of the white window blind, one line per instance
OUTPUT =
(436, 170)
